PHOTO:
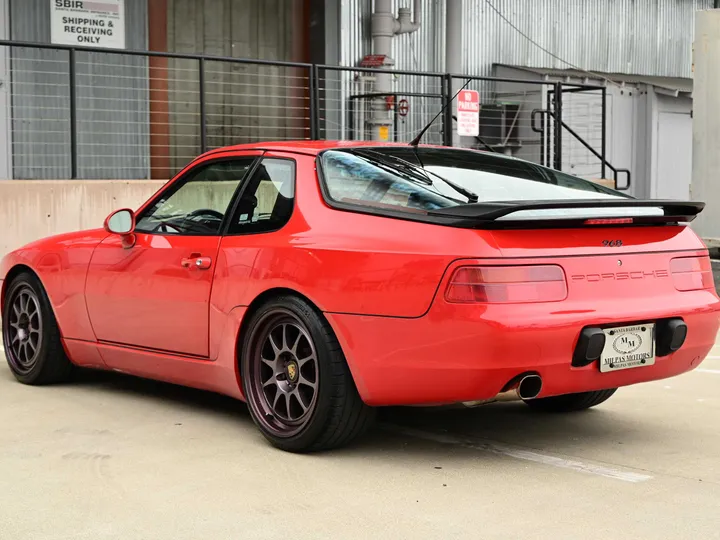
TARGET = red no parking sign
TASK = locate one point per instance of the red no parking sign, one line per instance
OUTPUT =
(468, 113)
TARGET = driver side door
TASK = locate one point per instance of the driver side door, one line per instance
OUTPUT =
(155, 295)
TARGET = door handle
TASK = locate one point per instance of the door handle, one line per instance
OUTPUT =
(202, 263)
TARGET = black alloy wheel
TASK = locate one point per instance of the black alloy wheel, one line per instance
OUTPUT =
(284, 373)
(23, 329)
(31, 337)
(296, 381)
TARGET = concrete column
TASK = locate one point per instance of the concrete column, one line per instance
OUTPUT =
(705, 185)
(453, 50)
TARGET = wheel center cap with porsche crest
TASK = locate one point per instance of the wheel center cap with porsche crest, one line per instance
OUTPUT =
(292, 371)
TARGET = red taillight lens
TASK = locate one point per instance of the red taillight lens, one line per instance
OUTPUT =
(507, 284)
(692, 273)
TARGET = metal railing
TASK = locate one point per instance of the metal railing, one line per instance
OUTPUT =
(83, 112)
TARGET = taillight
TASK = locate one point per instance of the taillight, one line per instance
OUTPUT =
(608, 221)
(692, 273)
(507, 284)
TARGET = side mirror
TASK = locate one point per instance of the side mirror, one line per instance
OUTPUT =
(122, 222)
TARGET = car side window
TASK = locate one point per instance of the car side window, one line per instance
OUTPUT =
(198, 205)
(268, 200)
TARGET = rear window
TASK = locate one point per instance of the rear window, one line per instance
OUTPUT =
(404, 178)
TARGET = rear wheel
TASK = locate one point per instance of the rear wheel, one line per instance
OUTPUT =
(31, 337)
(296, 381)
(571, 402)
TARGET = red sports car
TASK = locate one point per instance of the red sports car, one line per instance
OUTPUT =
(320, 280)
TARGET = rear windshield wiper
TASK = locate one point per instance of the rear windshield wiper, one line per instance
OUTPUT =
(471, 196)
(408, 173)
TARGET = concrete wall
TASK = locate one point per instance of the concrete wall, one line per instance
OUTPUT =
(30, 210)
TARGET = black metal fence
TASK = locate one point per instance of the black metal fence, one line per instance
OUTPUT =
(102, 113)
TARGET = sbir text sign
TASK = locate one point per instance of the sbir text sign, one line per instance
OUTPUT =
(96, 23)
(468, 113)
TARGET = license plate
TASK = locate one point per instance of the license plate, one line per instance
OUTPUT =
(628, 347)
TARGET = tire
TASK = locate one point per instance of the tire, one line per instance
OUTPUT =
(31, 336)
(571, 402)
(289, 347)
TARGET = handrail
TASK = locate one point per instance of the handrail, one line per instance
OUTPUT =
(135, 52)
(315, 93)
(582, 141)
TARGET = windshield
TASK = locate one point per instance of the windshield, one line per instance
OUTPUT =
(412, 179)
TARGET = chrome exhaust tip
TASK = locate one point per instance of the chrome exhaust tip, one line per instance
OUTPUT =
(523, 387)
(529, 387)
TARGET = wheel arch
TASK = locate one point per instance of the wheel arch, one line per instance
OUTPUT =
(15, 271)
(258, 301)
(275, 292)
(21, 268)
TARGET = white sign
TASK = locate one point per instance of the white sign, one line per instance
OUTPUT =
(96, 23)
(468, 113)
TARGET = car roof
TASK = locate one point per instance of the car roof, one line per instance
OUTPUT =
(310, 147)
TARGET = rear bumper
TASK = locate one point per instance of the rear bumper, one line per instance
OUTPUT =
(464, 353)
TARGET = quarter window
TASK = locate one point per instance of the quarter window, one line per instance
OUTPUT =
(267, 203)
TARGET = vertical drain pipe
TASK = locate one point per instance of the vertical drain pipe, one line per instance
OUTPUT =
(384, 27)
(453, 52)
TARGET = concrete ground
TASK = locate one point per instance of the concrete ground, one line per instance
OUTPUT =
(113, 457)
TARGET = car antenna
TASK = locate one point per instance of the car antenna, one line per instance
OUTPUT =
(416, 140)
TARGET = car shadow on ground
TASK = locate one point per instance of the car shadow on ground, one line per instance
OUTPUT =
(397, 427)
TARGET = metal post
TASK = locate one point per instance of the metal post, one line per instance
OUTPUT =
(543, 140)
(203, 115)
(603, 141)
(548, 121)
(395, 118)
(314, 123)
(447, 122)
(350, 121)
(73, 117)
(558, 126)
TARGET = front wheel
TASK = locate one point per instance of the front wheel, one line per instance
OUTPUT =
(296, 381)
(571, 402)
(31, 336)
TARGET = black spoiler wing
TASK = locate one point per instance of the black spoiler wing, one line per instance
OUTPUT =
(487, 214)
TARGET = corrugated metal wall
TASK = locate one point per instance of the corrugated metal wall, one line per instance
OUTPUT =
(112, 101)
(244, 102)
(643, 37)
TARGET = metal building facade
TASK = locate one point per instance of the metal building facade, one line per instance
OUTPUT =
(117, 95)
(112, 101)
(641, 37)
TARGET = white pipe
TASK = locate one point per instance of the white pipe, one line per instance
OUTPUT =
(403, 24)
(453, 50)
(384, 27)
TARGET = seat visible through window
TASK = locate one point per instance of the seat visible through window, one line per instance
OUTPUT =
(267, 203)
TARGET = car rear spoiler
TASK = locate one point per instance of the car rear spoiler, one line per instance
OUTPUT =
(500, 214)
